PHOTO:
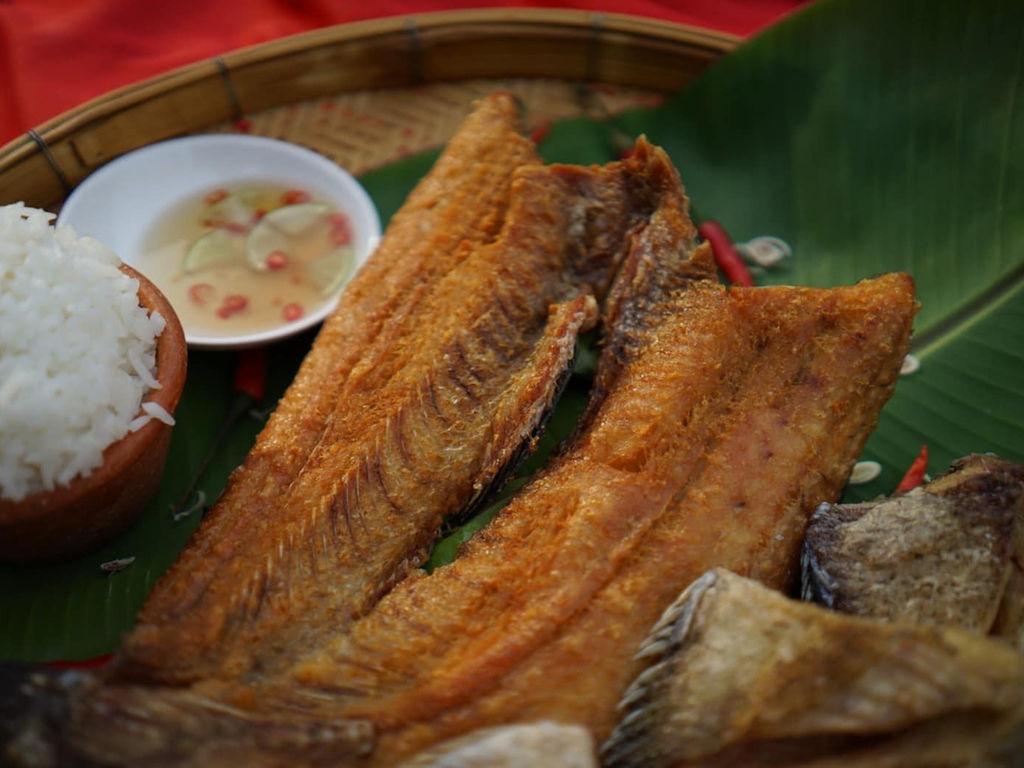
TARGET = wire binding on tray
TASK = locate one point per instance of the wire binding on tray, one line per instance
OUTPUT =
(229, 88)
(593, 47)
(51, 160)
(412, 30)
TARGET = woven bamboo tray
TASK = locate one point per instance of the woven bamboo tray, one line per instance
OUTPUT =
(368, 93)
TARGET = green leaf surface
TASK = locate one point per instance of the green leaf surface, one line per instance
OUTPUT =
(872, 136)
(875, 137)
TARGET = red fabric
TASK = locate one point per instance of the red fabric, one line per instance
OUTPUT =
(55, 54)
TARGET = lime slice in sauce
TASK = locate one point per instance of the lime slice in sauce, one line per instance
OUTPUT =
(296, 219)
(273, 231)
(331, 270)
(213, 249)
(262, 241)
(259, 199)
(229, 210)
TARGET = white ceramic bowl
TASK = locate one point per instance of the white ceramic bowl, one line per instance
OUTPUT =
(121, 201)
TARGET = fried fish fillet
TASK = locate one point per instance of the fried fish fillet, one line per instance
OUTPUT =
(459, 205)
(735, 674)
(437, 407)
(950, 552)
(721, 418)
(565, 231)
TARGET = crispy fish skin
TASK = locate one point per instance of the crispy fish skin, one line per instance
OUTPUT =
(461, 202)
(735, 674)
(723, 418)
(424, 422)
(547, 204)
(949, 552)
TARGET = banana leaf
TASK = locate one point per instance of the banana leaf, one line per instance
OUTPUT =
(871, 136)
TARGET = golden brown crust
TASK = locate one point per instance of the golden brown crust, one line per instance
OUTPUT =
(730, 415)
(440, 400)
(720, 419)
(462, 201)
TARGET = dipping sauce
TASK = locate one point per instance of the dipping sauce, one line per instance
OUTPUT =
(248, 258)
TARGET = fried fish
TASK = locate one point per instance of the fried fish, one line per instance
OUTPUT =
(735, 674)
(437, 406)
(181, 630)
(565, 232)
(721, 418)
(950, 552)
(444, 395)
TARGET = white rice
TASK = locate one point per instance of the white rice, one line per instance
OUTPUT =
(77, 353)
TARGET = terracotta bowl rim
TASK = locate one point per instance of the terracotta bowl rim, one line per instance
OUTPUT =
(171, 364)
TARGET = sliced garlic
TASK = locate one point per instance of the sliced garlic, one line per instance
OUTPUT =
(864, 472)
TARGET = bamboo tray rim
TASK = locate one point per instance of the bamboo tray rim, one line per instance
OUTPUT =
(597, 23)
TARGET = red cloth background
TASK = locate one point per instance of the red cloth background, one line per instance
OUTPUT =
(55, 54)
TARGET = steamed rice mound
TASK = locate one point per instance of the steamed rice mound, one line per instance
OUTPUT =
(77, 353)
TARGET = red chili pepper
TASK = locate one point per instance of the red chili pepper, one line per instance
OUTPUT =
(538, 134)
(94, 663)
(291, 312)
(294, 197)
(728, 260)
(232, 305)
(258, 214)
(216, 196)
(915, 475)
(243, 125)
(251, 372)
(277, 260)
(200, 293)
(341, 230)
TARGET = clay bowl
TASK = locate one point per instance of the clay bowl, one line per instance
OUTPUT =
(80, 516)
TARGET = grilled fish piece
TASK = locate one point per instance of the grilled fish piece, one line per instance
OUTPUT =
(35, 707)
(171, 727)
(950, 552)
(735, 674)
(721, 419)
(526, 745)
(54, 718)
(459, 205)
